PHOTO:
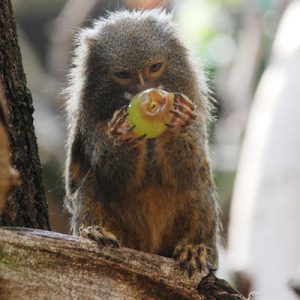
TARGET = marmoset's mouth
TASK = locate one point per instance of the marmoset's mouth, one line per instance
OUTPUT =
(128, 96)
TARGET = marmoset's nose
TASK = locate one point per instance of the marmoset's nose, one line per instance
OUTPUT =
(144, 83)
(141, 80)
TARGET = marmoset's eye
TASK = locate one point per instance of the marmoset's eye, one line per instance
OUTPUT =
(155, 67)
(123, 75)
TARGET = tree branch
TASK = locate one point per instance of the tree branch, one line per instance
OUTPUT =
(58, 266)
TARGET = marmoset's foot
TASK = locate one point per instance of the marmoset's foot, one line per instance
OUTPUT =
(193, 258)
(98, 234)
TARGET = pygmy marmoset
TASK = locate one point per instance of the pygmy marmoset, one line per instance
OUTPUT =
(154, 195)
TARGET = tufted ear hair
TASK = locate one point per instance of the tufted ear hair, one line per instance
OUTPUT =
(76, 75)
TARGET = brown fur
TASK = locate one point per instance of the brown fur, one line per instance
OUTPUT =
(156, 196)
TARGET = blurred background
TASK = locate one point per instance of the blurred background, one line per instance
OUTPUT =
(250, 51)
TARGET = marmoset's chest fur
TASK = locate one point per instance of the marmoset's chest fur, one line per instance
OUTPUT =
(148, 219)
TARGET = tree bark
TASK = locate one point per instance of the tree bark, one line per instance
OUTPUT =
(27, 205)
(9, 177)
(37, 264)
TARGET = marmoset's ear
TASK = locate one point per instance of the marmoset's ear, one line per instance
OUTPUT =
(83, 40)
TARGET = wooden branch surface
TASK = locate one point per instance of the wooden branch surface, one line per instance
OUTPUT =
(37, 264)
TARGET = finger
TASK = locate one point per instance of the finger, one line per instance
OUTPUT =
(183, 107)
(120, 119)
(180, 115)
(118, 114)
(186, 110)
(115, 128)
(180, 99)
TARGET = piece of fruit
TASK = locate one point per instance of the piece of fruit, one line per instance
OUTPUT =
(149, 111)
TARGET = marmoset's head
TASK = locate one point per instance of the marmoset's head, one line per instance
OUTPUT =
(126, 53)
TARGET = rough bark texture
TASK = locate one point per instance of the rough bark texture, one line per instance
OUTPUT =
(36, 264)
(9, 177)
(26, 206)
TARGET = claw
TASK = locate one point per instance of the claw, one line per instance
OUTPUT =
(131, 128)
(142, 137)
(135, 140)
(169, 125)
(211, 267)
(178, 98)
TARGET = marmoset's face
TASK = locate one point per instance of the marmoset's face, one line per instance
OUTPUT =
(135, 55)
(131, 54)
(135, 81)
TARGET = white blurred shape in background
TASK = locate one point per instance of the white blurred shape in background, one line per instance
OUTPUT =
(264, 237)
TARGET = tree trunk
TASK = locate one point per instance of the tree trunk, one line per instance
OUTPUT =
(264, 240)
(27, 205)
(37, 264)
(9, 177)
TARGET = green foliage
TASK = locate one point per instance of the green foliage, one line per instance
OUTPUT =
(209, 29)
